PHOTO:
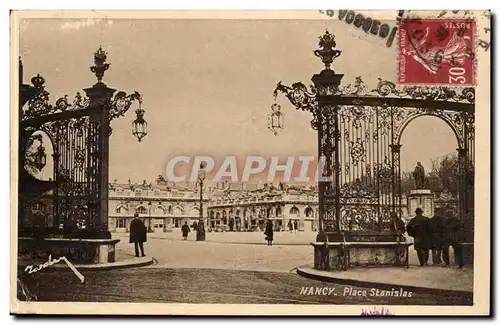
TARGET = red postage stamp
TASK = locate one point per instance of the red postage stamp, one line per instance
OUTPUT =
(437, 51)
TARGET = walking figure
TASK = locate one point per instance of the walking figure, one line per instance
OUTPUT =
(185, 230)
(138, 234)
(269, 233)
(290, 226)
(419, 229)
(295, 225)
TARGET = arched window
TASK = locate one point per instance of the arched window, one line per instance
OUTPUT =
(178, 210)
(309, 212)
(161, 209)
(121, 209)
(278, 211)
(141, 209)
(294, 211)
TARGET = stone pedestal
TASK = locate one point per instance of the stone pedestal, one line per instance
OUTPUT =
(77, 251)
(422, 198)
(341, 256)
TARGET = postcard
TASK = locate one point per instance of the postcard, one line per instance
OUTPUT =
(250, 162)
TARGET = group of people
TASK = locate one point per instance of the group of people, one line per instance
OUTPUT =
(293, 226)
(436, 234)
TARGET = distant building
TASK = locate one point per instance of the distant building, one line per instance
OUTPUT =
(163, 206)
(245, 207)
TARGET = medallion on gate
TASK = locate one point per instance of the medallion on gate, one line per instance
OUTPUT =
(437, 51)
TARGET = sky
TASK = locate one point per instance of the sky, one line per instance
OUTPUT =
(207, 84)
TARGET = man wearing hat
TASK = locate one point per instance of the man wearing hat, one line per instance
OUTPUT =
(138, 234)
(419, 229)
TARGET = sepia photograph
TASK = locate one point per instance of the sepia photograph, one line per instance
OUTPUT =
(250, 163)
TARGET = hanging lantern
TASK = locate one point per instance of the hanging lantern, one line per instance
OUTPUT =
(202, 172)
(275, 119)
(139, 125)
(40, 158)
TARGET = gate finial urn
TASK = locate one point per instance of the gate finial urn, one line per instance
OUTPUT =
(100, 65)
(326, 51)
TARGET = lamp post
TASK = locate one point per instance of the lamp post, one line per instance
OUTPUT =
(149, 219)
(200, 231)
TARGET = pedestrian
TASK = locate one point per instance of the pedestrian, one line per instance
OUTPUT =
(398, 226)
(419, 229)
(295, 225)
(436, 228)
(269, 233)
(138, 234)
(453, 237)
(185, 230)
(290, 226)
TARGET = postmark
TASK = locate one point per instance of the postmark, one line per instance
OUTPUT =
(437, 51)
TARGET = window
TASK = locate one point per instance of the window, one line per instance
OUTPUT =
(120, 223)
(138, 192)
(38, 206)
(141, 210)
(156, 192)
(158, 223)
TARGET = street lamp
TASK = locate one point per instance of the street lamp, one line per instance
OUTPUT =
(275, 119)
(40, 158)
(149, 222)
(139, 125)
(200, 231)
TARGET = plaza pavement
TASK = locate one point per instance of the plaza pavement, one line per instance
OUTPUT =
(247, 251)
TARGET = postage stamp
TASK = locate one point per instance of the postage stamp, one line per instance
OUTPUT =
(437, 51)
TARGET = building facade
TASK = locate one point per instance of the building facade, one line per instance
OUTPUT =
(245, 207)
(166, 206)
(161, 205)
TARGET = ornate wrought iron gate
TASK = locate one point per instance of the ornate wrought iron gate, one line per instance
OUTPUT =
(79, 133)
(359, 145)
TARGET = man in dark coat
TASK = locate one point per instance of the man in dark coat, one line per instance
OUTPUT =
(290, 226)
(138, 234)
(419, 229)
(269, 233)
(185, 230)
(295, 225)
(453, 237)
(436, 227)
